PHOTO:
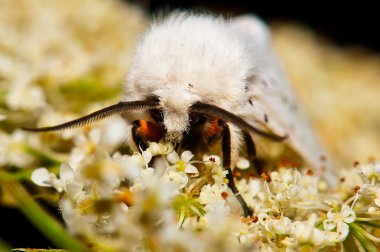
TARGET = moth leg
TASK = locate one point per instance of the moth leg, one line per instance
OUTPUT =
(143, 131)
(251, 152)
(226, 149)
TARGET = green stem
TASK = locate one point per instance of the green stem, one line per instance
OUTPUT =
(15, 176)
(371, 224)
(357, 232)
(4, 247)
(48, 225)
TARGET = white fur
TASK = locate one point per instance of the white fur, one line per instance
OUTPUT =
(188, 58)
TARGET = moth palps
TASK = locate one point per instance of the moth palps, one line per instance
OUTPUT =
(200, 74)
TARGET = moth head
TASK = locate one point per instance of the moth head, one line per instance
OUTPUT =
(175, 106)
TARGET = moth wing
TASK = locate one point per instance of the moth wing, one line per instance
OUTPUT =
(271, 102)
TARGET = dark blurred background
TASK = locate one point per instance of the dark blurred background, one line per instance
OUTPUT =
(348, 24)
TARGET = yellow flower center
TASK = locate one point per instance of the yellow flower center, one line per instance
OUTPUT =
(338, 218)
(181, 166)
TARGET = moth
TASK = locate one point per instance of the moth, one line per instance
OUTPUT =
(199, 74)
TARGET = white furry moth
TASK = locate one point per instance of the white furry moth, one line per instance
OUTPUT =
(193, 73)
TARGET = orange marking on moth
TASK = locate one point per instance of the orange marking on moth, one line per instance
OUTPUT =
(150, 131)
(213, 129)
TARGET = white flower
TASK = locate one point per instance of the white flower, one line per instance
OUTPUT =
(212, 159)
(338, 220)
(211, 194)
(283, 187)
(367, 189)
(42, 177)
(13, 149)
(142, 182)
(161, 148)
(130, 165)
(114, 133)
(213, 163)
(242, 163)
(249, 188)
(178, 178)
(370, 171)
(282, 225)
(305, 232)
(183, 164)
(216, 211)
(70, 183)
(147, 157)
(374, 211)
(264, 220)
(377, 199)
(3, 117)
(25, 97)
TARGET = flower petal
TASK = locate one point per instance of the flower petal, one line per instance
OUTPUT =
(348, 213)
(66, 173)
(147, 155)
(328, 224)
(172, 157)
(191, 169)
(178, 178)
(187, 156)
(73, 190)
(330, 214)
(41, 177)
(342, 231)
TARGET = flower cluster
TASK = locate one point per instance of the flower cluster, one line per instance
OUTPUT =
(160, 199)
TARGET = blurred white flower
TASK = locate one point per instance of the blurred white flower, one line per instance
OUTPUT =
(371, 171)
(281, 225)
(161, 148)
(377, 199)
(242, 163)
(216, 211)
(13, 149)
(42, 177)
(70, 182)
(26, 97)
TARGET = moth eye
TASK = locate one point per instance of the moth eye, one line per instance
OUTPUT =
(157, 115)
(197, 118)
